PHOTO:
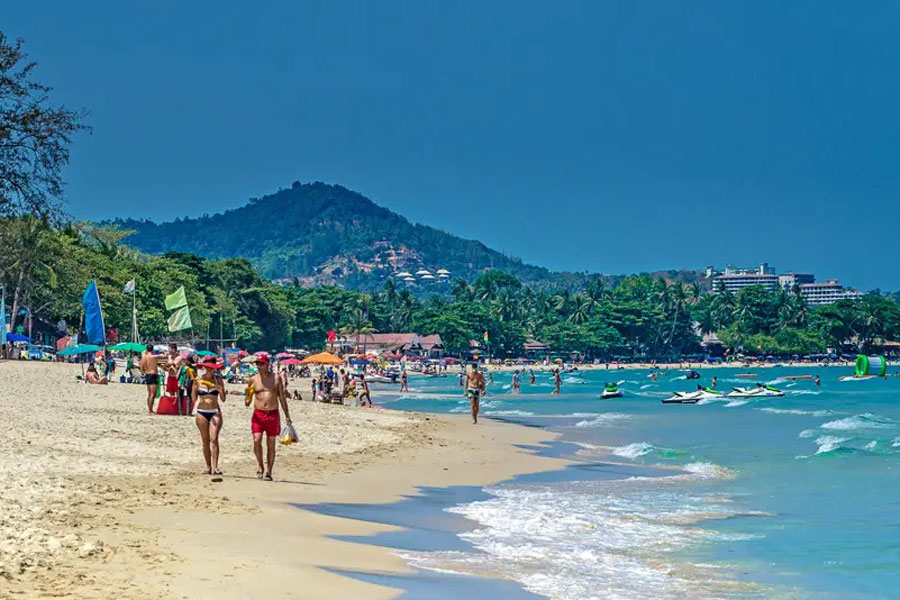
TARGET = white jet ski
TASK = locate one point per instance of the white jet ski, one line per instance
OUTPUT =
(381, 379)
(693, 397)
(756, 392)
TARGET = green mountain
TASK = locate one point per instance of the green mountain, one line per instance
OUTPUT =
(321, 234)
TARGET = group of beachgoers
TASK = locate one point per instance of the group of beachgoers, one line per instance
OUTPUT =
(341, 384)
(266, 390)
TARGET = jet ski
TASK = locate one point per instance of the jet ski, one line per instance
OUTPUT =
(693, 397)
(766, 391)
(611, 391)
(692, 375)
(381, 378)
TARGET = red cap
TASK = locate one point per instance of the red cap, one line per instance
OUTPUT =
(211, 364)
(262, 357)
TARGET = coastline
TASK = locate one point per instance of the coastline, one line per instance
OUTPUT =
(105, 500)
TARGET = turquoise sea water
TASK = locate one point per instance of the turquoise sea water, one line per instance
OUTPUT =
(793, 497)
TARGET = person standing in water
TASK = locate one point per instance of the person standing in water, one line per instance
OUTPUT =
(818, 381)
(266, 392)
(515, 381)
(475, 386)
(533, 379)
(557, 381)
(714, 382)
(404, 382)
(206, 394)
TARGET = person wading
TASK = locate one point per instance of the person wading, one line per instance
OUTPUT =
(475, 386)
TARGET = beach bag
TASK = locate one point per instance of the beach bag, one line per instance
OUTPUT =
(289, 435)
(168, 405)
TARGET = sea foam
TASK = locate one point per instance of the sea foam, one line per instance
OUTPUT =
(633, 450)
(863, 421)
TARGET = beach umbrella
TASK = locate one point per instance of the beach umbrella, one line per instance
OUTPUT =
(284, 355)
(79, 349)
(249, 359)
(206, 353)
(128, 347)
(292, 361)
(322, 358)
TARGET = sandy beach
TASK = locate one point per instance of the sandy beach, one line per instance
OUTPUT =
(101, 500)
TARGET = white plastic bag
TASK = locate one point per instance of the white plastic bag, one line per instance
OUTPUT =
(288, 435)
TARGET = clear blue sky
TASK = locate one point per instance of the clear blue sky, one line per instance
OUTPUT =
(602, 136)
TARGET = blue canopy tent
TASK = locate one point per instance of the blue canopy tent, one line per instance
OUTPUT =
(17, 337)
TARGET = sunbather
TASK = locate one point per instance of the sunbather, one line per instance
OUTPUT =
(93, 377)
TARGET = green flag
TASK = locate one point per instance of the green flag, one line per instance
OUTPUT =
(176, 300)
(180, 319)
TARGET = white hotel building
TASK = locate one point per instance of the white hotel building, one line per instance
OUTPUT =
(816, 294)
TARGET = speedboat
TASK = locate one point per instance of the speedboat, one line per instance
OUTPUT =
(756, 392)
(693, 397)
(378, 378)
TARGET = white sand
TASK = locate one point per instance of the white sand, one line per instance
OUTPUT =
(101, 500)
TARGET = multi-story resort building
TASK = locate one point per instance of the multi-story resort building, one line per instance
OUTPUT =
(817, 294)
(733, 280)
(789, 280)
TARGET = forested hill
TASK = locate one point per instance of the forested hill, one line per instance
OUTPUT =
(324, 233)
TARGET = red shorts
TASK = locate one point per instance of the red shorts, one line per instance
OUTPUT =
(266, 421)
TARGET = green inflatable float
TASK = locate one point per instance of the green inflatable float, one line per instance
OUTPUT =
(870, 366)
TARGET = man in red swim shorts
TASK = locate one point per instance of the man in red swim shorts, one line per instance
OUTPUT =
(266, 392)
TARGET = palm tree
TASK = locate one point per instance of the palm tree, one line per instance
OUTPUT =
(580, 310)
(30, 246)
(723, 309)
(461, 291)
(677, 299)
(401, 318)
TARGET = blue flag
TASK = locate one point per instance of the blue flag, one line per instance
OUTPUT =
(93, 316)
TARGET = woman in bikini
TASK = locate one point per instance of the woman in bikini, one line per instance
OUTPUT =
(208, 391)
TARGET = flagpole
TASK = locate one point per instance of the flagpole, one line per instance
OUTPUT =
(134, 334)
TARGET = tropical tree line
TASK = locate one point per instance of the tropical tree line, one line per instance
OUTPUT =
(45, 269)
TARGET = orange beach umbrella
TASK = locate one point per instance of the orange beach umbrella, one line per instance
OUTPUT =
(322, 358)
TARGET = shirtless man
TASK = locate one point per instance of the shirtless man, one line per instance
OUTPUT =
(266, 392)
(174, 360)
(149, 367)
(515, 382)
(557, 381)
(475, 385)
